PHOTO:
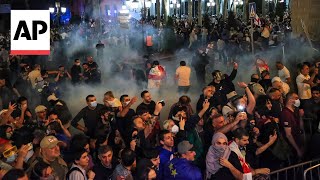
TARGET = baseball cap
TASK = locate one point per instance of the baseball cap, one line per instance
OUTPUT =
(40, 108)
(49, 142)
(184, 147)
(276, 79)
(232, 96)
(52, 97)
(3, 111)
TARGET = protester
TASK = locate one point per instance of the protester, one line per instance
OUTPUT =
(38, 105)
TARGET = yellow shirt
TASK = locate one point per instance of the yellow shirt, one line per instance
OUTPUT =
(33, 76)
(183, 73)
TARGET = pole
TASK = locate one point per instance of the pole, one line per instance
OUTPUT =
(283, 54)
(252, 47)
(100, 22)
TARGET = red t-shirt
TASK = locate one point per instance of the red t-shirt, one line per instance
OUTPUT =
(291, 119)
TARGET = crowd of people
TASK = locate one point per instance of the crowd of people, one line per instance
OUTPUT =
(236, 130)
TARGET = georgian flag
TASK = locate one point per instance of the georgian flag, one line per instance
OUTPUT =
(257, 21)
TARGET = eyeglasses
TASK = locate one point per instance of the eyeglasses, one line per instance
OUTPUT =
(10, 152)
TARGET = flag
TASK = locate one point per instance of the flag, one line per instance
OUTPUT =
(257, 20)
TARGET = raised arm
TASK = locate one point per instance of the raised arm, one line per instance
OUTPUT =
(251, 99)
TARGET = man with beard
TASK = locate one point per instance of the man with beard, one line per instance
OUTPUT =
(76, 72)
(91, 63)
(147, 102)
(223, 83)
(311, 107)
(241, 140)
(277, 102)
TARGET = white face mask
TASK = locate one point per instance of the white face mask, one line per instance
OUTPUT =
(111, 102)
(297, 103)
(175, 129)
(126, 103)
(94, 104)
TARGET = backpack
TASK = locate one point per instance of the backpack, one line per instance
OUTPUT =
(74, 169)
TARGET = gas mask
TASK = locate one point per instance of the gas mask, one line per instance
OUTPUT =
(218, 76)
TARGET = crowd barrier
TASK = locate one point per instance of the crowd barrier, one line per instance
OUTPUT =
(312, 172)
(298, 171)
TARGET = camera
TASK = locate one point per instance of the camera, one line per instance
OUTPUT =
(162, 102)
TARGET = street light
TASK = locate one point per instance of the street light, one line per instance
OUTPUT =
(268, 5)
(57, 10)
(211, 4)
(148, 4)
(155, 9)
(135, 4)
(51, 10)
(147, 7)
(237, 3)
(63, 9)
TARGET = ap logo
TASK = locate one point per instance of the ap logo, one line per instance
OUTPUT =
(30, 32)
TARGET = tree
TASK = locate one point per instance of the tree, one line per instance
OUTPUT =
(206, 21)
(190, 11)
(225, 9)
(280, 8)
(158, 13)
(199, 13)
(245, 10)
(232, 20)
(217, 7)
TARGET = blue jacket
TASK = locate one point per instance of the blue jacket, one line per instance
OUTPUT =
(164, 159)
(181, 169)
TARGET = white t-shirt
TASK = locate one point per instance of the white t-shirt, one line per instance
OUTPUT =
(183, 73)
(285, 88)
(304, 89)
(284, 74)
